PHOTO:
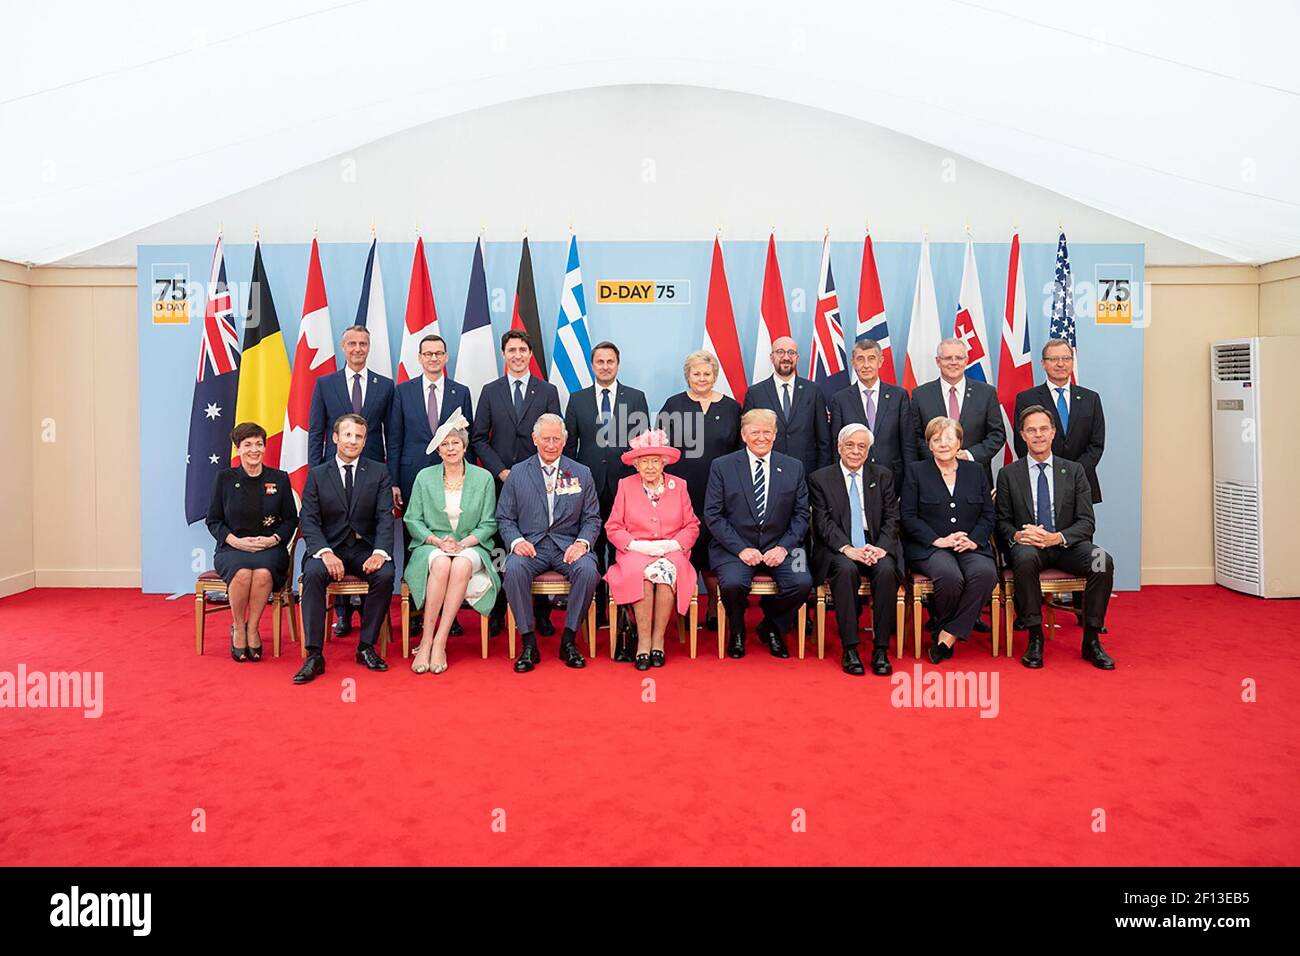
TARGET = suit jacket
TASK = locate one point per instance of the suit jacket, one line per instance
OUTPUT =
(831, 518)
(1085, 439)
(500, 437)
(981, 419)
(929, 511)
(330, 398)
(630, 415)
(730, 513)
(326, 520)
(1072, 508)
(426, 514)
(408, 428)
(807, 433)
(522, 512)
(894, 439)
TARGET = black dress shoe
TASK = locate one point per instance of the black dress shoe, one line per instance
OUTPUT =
(642, 662)
(939, 652)
(240, 654)
(980, 626)
(880, 665)
(456, 629)
(311, 668)
(657, 659)
(524, 663)
(528, 650)
(1034, 653)
(1093, 651)
(736, 646)
(571, 656)
(366, 654)
(770, 636)
(343, 622)
(851, 663)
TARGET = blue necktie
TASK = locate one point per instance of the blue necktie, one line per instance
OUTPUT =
(1062, 410)
(1044, 499)
(519, 399)
(760, 500)
(857, 533)
(604, 407)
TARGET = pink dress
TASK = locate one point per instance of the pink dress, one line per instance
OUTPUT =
(634, 518)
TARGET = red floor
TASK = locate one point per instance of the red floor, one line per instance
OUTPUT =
(710, 773)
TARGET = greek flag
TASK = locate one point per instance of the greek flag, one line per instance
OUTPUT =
(571, 353)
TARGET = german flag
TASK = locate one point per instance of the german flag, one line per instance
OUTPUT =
(264, 368)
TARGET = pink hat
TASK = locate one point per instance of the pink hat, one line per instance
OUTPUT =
(651, 443)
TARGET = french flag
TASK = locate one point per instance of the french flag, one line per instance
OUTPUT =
(476, 355)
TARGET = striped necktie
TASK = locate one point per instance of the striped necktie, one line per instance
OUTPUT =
(760, 499)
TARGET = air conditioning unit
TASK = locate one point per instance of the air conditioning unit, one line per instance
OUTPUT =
(1255, 418)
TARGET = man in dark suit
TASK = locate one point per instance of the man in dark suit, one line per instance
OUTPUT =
(600, 421)
(756, 508)
(503, 435)
(883, 408)
(855, 535)
(548, 516)
(347, 528)
(1075, 410)
(971, 402)
(803, 428)
(1045, 520)
(353, 389)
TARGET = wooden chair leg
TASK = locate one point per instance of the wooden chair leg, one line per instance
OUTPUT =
(803, 626)
(996, 618)
(510, 630)
(302, 630)
(613, 625)
(900, 618)
(591, 630)
(385, 629)
(1008, 605)
(483, 634)
(277, 609)
(821, 620)
(722, 623)
(406, 623)
(916, 624)
(695, 620)
(198, 622)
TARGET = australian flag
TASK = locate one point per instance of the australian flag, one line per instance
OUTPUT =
(212, 413)
(1062, 324)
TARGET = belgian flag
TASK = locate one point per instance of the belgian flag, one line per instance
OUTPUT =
(264, 367)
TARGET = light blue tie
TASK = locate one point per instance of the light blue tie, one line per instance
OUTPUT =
(1062, 409)
(857, 533)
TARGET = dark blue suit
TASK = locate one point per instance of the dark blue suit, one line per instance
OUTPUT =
(893, 443)
(502, 438)
(731, 515)
(331, 398)
(408, 428)
(806, 435)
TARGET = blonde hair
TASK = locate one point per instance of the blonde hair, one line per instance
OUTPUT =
(942, 423)
(701, 357)
(755, 415)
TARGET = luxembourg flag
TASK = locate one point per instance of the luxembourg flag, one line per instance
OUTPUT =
(969, 324)
(923, 335)
(1016, 359)
(571, 351)
(826, 363)
(372, 314)
(871, 312)
(773, 319)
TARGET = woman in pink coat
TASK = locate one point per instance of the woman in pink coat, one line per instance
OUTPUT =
(652, 526)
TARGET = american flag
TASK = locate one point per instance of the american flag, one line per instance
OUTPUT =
(826, 363)
(212, 411)
(1062, 324)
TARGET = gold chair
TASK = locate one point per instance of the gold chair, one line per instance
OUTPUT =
(548, 583)
(864, 590)
(351, 584)
(406, 624)
(1052, 582)
(281, 602)
(763, 584)
(683, 624)
(923, 587)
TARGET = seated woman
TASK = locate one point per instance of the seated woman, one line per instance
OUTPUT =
(451, 518)
(652, 527)
(947, 516)
(252, 517)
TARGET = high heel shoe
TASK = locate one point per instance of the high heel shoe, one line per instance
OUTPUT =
(240, 654)
(643, 662)
(254, 653)
(656, 658)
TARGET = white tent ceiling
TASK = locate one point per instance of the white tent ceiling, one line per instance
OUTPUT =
(1181, 117)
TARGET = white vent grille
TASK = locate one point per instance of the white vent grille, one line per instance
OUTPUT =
(1232, 363)
(1236, 531)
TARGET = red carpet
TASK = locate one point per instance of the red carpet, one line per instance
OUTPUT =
(710, 773)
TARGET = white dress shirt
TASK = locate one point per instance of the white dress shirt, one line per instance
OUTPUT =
(613, 397)
(1051, 388)
(781, 384)
(342, 466)
(874, 392)
(848, 490)
(364, 378)
(961, 393)
(767, 475)
(550, 498)
(441, 386)
(1051, 488)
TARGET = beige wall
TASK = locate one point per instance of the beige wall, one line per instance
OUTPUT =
(1279, 298)
(17, 562)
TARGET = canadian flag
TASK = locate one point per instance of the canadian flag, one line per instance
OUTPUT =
(312, 358)
(421, 316)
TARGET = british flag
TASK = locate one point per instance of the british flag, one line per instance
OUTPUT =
(1062, 324)
(216, 383)
(826, 362)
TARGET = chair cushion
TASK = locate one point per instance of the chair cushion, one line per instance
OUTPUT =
(209, 576)
(919, 578)
(1055, 574)
(351, 579)
(550, 577)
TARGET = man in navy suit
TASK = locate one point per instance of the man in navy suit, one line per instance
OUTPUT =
(503, 435)
(347, 528)
(358, 390)
(756, 508)
(1076, 413)
(885, 409)
(971, 402)
(803, 428)
(549, 516)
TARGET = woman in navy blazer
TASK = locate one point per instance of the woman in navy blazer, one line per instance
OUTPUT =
(948, 517)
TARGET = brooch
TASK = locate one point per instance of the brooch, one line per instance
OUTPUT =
(271, 488)
(268, 521)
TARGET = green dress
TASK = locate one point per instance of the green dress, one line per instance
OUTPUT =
(426, 515)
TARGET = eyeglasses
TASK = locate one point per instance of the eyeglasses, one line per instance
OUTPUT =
(1061, 359)
(432, 354)
(792, 353)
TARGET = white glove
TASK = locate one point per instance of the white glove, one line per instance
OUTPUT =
(668, 546)
(642, 547)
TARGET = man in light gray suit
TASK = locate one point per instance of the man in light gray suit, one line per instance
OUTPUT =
(549, 517)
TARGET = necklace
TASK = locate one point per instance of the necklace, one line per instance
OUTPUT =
(453, 484)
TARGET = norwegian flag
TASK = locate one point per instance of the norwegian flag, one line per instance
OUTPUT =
(871, 312)
(1016, 360)
(216, 386)
(421, 316)
(773, 319)
(826, 360)
(312, 358)
(720, 336)
(969, 324)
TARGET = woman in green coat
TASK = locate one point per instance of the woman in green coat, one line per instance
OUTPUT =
(451, 517)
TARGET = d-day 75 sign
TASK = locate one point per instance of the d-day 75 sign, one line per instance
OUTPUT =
(643, 291)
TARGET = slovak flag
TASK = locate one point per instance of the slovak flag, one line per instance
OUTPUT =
(871, 312)
(826, 360)
(1016, 359)
(969, 324)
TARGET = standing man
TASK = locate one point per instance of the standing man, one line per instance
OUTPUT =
(503, 436)
(885, 409)
(1075, 410)
(347, 528)
(362, 392)
(600, 422)
(803, 426)
(973, 403)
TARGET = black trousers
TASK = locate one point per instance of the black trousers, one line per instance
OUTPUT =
(962, 585)
(1084, 559)
(374, 607)
(845, 577)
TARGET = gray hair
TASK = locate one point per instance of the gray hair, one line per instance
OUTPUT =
(548, 418)
(458, 433)
(354, 328)
(701, 357)
(852, 428)
(868, 345)
(951, 340)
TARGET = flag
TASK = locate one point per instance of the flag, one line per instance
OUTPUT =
(571, 351)
(826, 360)
(264, 369)
(969, 324)
(1016, 361)
(720, 336)
(421, 316)
(476, 356)
(871, 312)
(525, 317)
(773, 320)
(923, 335)
(313, 357)
(1062, 324)
(372, 314)
(212, 410)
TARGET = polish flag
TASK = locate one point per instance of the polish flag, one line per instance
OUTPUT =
(773, 320)
(923, 337)
(312, 358)
(720, 336)
(421, 316)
